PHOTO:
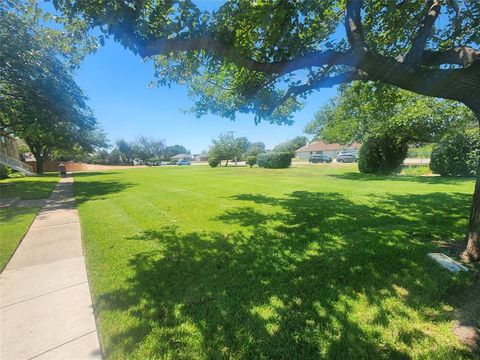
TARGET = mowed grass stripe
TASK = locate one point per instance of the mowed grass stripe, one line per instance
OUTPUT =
(240, 263)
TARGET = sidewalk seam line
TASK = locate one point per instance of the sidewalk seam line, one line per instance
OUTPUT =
(38, 296)
(66, 342)
(2, 276)
(46, 226)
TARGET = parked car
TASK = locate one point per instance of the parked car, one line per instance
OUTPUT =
(319, 159)
(184, 162)
(346, 157)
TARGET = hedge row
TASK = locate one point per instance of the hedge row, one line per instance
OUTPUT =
(456, 155)
(275, 160)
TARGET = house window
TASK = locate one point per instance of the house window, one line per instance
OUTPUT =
(319, 152)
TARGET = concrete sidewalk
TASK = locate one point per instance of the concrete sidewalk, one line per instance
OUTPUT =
(46, 309)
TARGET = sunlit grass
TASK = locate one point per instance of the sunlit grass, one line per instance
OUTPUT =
(307, 262)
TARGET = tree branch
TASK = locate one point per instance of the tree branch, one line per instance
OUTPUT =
(323, 82)
(461, 55)
(148, 48)
(353, 23)
(441, 83)
(414, 56)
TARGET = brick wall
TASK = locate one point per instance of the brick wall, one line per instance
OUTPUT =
(49, 166)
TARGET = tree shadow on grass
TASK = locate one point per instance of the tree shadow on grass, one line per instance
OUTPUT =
(98, 189)
(320, 277)
(27, 189)
(11, 213)
(357, 176)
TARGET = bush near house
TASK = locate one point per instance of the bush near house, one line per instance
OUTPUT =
(381, 155)
(5, 171)
(456, 154)
(275, 160)
(213, 161)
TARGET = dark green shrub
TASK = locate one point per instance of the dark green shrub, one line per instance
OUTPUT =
(456, 155)
(274, 160)
(381, 155)
(4, 172)
(213, 161)
(251, 160)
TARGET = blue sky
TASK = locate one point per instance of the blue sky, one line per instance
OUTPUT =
(116, 82)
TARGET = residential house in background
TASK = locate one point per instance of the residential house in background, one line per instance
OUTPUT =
(9, 155)
(322, 148)
(200, 157)
(179, 157)
(8, 146)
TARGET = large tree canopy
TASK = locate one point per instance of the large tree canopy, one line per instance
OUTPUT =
(39, 99)
(364, 109)
(291, 145)
(264, 57)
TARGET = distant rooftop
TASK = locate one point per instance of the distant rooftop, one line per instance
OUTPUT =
(180, 156)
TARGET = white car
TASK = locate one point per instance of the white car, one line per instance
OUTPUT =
(347, 157)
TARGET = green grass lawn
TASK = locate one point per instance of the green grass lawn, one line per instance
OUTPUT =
(29, 187)
(15, 221)
(307, 262)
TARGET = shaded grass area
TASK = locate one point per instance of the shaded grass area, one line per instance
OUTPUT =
(28, 187)
(298, 263)
(14, 223)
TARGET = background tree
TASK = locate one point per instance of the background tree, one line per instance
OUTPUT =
(266, 57)
(126, 150)
(148, 148)
(291, 145)
(364, 109)
(256, 148)
(226, 147)
(243, 145)
(173, 150)
(39, 99)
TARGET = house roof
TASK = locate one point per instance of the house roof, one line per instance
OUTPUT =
(322, 146)
(179, 156)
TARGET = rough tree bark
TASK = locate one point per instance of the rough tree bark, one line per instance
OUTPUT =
(472, 252)
(39, 164)
(40, 156)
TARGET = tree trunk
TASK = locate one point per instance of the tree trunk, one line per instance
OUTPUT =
(226, 164)
(472, 252)
(39, 163)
